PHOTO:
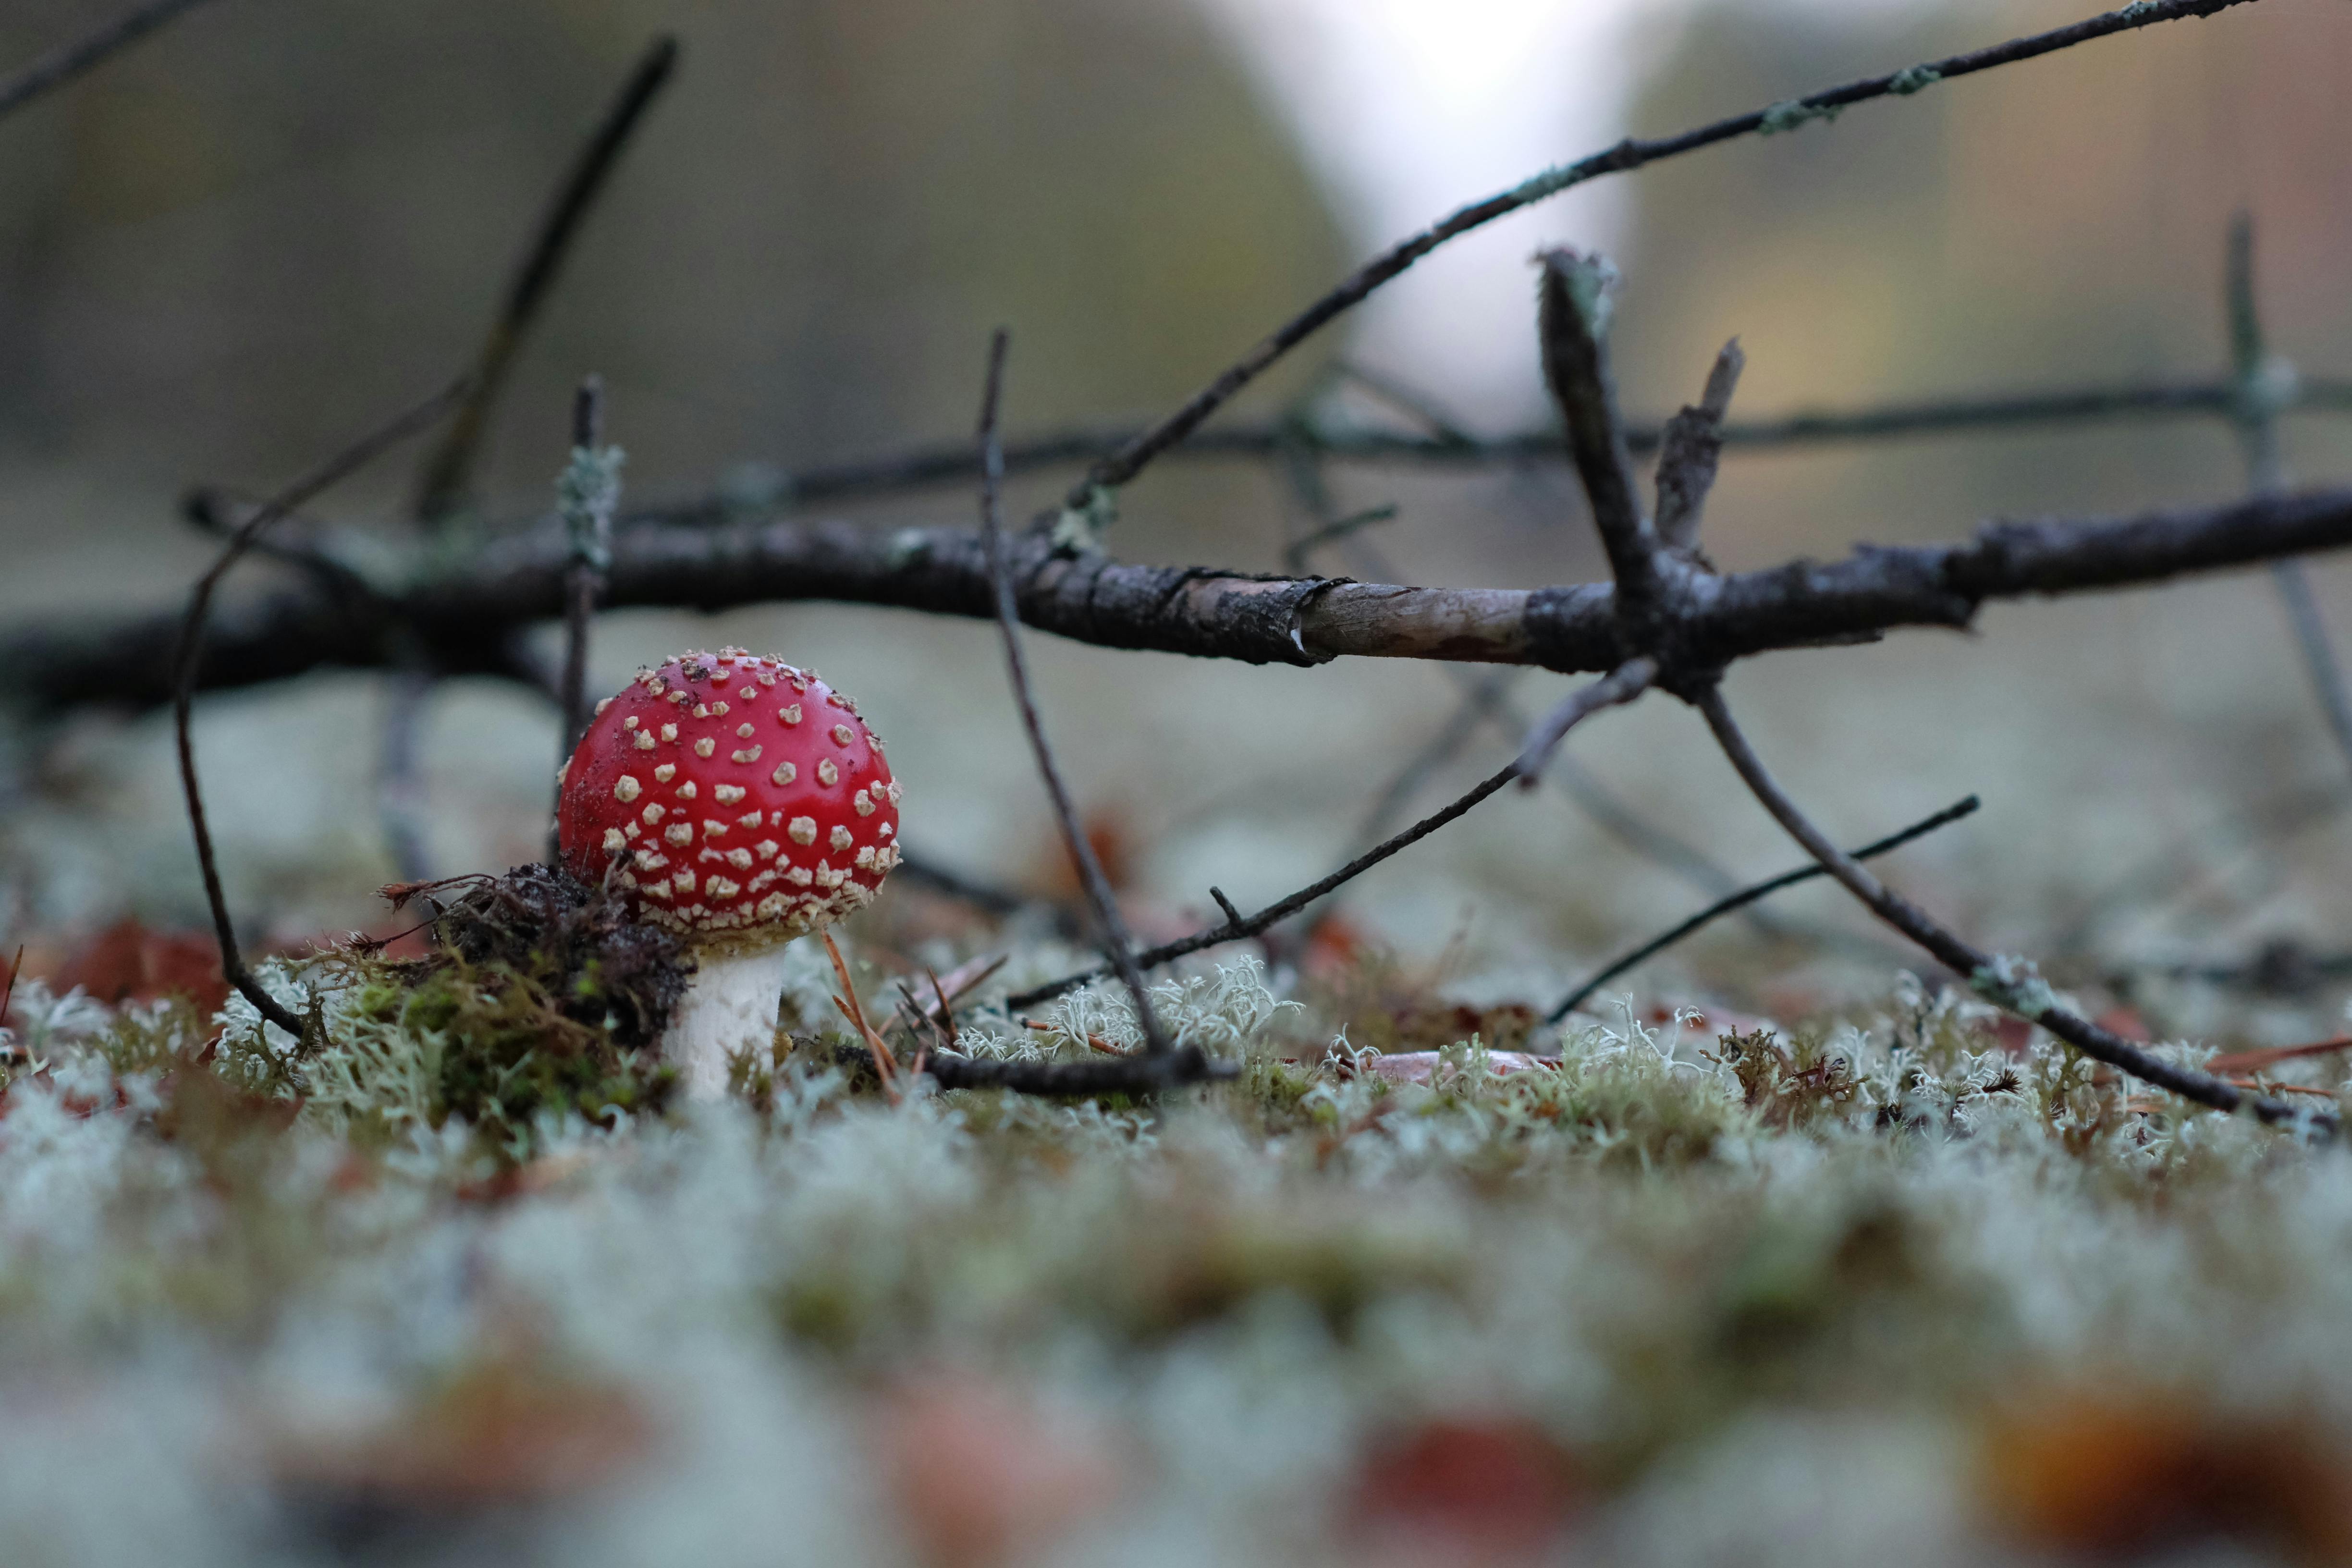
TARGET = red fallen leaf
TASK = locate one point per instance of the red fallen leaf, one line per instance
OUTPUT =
(1108, 834)
(2013, 1034)
(1467, 1491)
(2127, 1022)
(981, 1475)
(128, 962)
(2119, 1476)
(1334, 944)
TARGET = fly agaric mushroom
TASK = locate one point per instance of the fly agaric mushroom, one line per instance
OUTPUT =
(741, 803)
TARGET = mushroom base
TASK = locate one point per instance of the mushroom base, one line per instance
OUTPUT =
(729, 1008)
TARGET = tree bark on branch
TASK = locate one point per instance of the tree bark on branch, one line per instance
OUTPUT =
(468, 616)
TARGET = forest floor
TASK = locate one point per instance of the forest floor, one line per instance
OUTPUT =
(1425, 1283)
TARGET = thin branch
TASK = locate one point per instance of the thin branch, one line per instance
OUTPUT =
(400, 788)
(924, 872)
(1997, 980)
(949, 463)
(1294, 553)
(586, 492)
(589, 489)
(313, 548)
(1482, 693)
(449, 474)
(2262, 380)
(1108, 920)
(1626, 156)
(2320, 663)
(1689, 450)
(1135, 1075)
(1623, 684)
(1573, 308)
(2265, 387)
(1281, 909)
(63, 64)
(189, 658)
(1741, 900)
(1412, 402)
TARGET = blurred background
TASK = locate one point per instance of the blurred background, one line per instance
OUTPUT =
(231, 249)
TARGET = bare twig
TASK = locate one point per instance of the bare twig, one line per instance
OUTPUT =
(449, 474)
(1741, 900)
(925, 872)
(1626, 156)
(2265, 387)
(1137, 1074)
(589, 489)
(63, 64)
(1481, 693)
(1688, 455)
(2002, 981)
(314, 549)
(1623, 685)
(1281, 909)
(586, 492)
(947, 463)
(1108, 920)
(2264, 381)
(1294, 553)
(189, 658)
(1573, 323)
(400, 787)
(2320, 662)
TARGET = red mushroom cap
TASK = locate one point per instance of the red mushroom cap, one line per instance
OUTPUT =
(745, 796)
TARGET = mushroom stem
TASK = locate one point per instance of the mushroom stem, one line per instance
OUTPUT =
(729, 1008)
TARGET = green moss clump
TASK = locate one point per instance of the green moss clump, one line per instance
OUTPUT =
(512, 1052)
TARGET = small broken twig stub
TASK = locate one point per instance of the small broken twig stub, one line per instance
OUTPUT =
(1688, 453)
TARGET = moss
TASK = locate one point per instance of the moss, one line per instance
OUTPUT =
(516, 1051)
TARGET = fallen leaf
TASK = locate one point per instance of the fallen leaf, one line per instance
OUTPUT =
(1465, 1490)
(128, 962)
(2099, 1473)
